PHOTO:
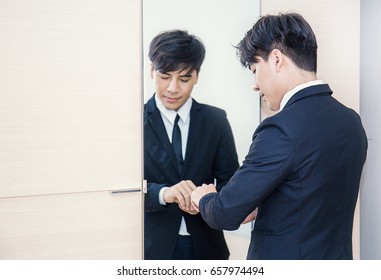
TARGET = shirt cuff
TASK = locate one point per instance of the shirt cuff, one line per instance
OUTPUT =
(161, 196)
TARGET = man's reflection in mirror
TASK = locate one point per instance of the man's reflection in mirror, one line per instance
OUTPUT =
(186, 144)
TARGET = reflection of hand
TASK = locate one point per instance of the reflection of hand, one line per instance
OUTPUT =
(199, 192)
(251, 217)
(191, 211)
(181, 194)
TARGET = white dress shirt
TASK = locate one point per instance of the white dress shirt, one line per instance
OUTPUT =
(168, 117)
(289, 94)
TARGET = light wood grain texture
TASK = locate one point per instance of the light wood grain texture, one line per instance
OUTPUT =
(70, 95)
(70, 129)
(76, 226)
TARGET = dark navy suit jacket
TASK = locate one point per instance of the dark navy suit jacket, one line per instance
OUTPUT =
(210, 155)
(302, 172)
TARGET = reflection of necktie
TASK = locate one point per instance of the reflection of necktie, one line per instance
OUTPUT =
(176, 144)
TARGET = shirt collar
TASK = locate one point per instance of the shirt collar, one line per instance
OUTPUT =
(183, 111)
(289, 94)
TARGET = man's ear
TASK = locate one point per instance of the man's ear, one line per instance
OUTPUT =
(152, 70)
(276, 58)
(196, 77)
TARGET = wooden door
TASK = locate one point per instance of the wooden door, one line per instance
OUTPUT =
(70, 130)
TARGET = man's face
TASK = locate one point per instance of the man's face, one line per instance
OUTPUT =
(174, 87)
(265, 82)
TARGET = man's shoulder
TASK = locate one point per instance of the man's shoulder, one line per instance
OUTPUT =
(208, 109)
(150, 106)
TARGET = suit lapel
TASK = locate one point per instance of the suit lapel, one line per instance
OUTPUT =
(196, 119)
(155, 121)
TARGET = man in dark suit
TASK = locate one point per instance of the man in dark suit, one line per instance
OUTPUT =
(185, 144)
(303, 169)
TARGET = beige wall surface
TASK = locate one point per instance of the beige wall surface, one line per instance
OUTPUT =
(73, 226)
(70, 96)
(337, 27)
(70, 129)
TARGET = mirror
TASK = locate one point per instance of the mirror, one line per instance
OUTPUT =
(223, 82)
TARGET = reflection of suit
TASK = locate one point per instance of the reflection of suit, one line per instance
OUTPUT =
(210, 154)
(302, 171)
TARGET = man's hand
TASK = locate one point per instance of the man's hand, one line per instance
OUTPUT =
(191, 211)
(181, 194)
(251, 217)
(199, 192)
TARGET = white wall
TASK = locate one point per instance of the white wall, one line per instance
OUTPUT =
(370, 84)
(222, 81)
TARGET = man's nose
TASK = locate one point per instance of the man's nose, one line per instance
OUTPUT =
(173, 86)
(255, 87)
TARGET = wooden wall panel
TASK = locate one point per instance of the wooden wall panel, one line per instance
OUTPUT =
(96, 225)
(70, 95)
(70, 129)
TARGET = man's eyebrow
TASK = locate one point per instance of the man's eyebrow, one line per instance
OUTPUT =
(164, 73)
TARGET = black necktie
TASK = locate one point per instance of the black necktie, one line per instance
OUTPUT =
(176, 144)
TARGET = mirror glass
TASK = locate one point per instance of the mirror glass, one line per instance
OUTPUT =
(222, 82)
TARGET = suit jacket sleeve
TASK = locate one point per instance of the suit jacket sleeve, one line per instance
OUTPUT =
(152, 197)
(226, 162)
(269, 161)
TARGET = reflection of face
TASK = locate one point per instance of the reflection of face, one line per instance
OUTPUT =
(266, 84)
(174, 87)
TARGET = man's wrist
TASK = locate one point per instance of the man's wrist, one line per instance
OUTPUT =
(161, 195)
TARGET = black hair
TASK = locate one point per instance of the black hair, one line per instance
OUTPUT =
(289, 32)
(176, 50)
